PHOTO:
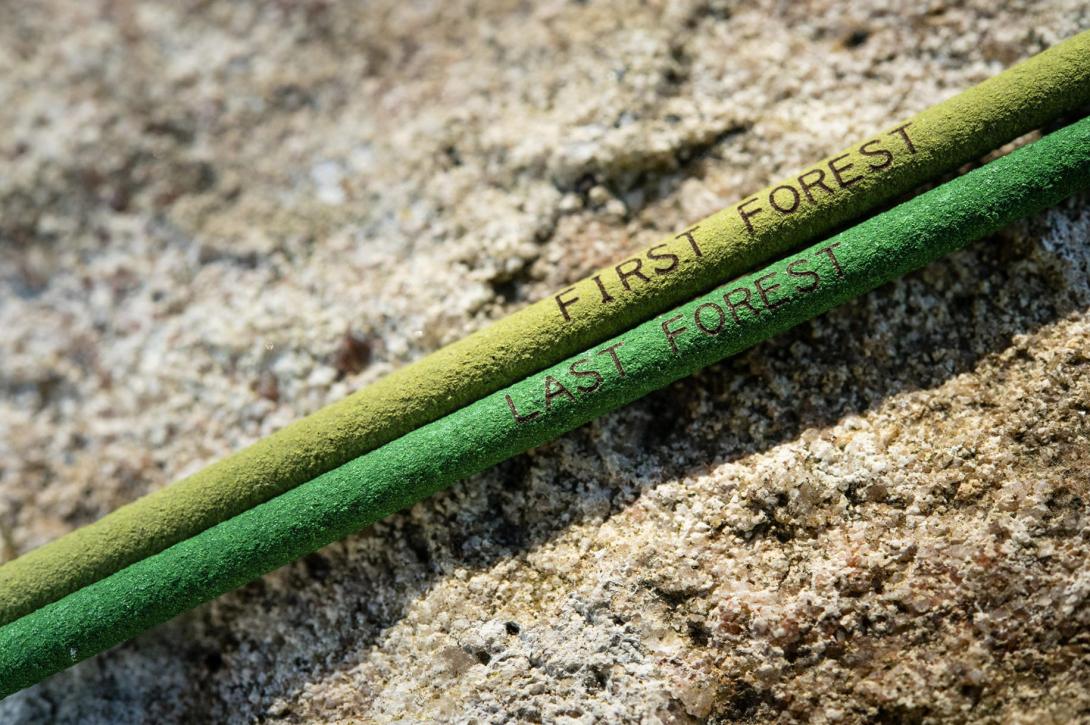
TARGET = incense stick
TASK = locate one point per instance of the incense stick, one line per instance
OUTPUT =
(604, 377)
(795, 211)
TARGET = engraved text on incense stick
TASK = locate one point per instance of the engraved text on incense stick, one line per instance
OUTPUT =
(743, 302)
(833, 177)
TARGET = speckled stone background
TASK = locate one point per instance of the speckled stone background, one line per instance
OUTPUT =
(216, 217)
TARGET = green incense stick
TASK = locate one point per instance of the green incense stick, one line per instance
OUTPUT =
(795, 211)
(543, 406)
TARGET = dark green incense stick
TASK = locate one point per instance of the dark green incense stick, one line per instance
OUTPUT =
(543, 406)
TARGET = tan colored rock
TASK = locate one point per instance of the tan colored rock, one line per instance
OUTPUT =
(880, 515)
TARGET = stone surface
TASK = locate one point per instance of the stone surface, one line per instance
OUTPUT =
(216, 217)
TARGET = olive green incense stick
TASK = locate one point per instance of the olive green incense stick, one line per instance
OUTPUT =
(797, 210)
(543, 406)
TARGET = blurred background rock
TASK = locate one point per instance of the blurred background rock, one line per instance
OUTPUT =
(216, 217)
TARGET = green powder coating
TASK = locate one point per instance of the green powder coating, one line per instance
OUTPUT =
(416, 465)
(816, 201)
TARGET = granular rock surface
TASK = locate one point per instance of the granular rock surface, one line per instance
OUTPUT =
(216, 217)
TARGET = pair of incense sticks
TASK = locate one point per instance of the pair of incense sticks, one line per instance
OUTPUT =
(796, 211)
(249, 514)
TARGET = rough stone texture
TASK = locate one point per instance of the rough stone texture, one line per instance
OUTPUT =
(215, 217)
